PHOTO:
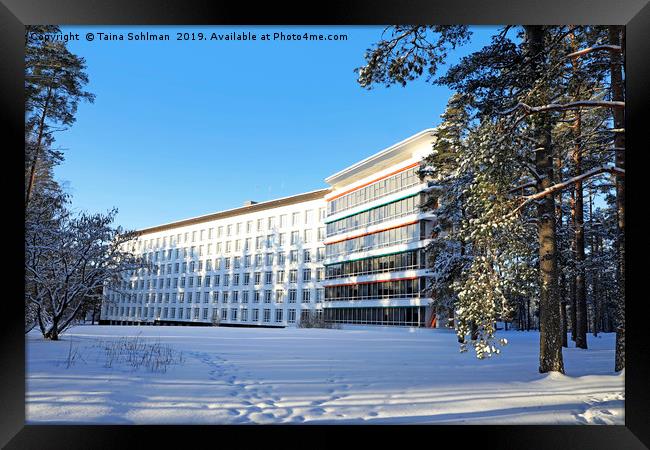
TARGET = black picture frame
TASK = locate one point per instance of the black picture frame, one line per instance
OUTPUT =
(14, 14)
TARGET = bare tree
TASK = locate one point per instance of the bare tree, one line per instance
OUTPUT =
(68, 260)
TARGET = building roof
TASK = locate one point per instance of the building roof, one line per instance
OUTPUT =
(255, 207)
(389, 156)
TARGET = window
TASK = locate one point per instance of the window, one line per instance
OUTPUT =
(309, 216)
(224, 313)
(267, 296)
(268, 277)
(267, 315)
(295, 217)
(291, 317)
(260, 224)
(307, 236)
(306, 256)
(281, 258)
(271, 223)
(293, 256)
(256, 297)
(244, 297)
(205, 313)
(225, 297)
(279, 296)
(258, 278)
(256, 315)
(226, 280)
(294, 237)
(306, 296)
(227, 263)
(269, 259)
(283, 221)
(278, 315)
(247, 279)
(249, 226)
(235, 279)
(228, 246)
(293, 276)
(292, 296)
(320, 273)
(282, 239)
(306, 275)
(244, 315)
(321, 233)
(280, 276)
(228, 230)
(235, 297)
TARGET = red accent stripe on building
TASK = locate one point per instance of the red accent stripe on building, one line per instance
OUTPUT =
(372, 232)
(372, 181)
(371, 282)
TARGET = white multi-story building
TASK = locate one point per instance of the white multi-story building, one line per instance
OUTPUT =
(353, 252)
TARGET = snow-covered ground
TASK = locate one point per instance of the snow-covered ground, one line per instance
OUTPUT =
(355, 375)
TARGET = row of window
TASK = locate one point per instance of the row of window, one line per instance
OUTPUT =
(375, 291)
(381, 188)
(235, 262)
(229, 314)
(268, 223)
(384, 213)
(405, 316)
(394, 236)
(228, 280)
(238, 245)
(218, 296)
(410, 260)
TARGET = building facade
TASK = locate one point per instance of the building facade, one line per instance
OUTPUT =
(352, 252)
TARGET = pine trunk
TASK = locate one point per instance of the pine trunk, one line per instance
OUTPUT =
(616, 35)
(579, 236)
(550, 355)
(572, 283)
(39, 144)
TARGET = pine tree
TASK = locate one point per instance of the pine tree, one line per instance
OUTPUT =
(54, 82)
(535, 111)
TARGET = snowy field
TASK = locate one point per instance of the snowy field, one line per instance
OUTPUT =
(359, 375)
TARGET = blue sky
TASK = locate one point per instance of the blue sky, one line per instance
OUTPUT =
(184, 128)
